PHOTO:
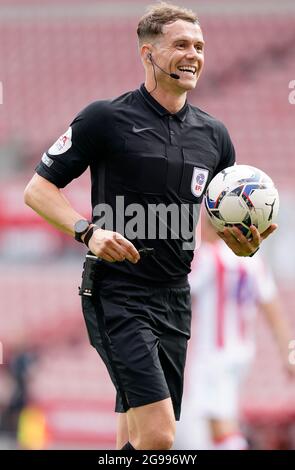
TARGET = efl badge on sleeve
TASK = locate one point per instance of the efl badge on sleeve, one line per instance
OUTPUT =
(62, 144)
(199, 180)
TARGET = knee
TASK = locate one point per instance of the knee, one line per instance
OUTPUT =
(156, 440)
(164, 441)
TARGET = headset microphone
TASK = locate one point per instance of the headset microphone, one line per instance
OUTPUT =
(172, 75)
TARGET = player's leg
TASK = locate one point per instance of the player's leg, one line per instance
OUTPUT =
(172, 349)
(133, 342)
(122, 435)
(226, 435)
(126, 335)
(223, 417)
(152, 426)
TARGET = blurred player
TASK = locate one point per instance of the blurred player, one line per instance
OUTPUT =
(226, 297)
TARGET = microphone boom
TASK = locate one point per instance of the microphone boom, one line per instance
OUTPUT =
(172, 75)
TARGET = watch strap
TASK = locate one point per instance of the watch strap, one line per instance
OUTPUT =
(89, 234)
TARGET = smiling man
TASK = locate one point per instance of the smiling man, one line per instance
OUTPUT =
(171, 50)
(149, 148)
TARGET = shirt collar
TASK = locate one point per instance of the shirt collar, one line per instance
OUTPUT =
(180, 115)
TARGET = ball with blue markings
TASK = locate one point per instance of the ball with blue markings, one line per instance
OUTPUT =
(242, 195)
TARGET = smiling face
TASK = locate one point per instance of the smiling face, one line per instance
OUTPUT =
(179, 50)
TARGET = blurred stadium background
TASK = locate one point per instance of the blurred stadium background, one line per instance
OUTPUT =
(56, 57)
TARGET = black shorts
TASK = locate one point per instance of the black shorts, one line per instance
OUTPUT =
(141, 334)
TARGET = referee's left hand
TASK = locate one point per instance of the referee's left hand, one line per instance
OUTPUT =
(241, 245)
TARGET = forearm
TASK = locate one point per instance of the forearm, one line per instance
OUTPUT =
(50, 203)
(279, 326)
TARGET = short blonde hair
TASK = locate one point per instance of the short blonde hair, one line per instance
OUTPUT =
(151, 24)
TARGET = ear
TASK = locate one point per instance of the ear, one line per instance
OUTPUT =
(146, 53)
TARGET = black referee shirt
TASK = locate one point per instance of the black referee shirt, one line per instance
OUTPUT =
(139, 151)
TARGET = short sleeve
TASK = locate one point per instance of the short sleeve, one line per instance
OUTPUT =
(227, 150)
(73, 151)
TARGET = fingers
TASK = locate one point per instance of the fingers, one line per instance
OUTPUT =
(241, 245)
(238, 235)
(231, 240)
(112, 246)
(128, 249)
(120, 252)
(234, 237)
(108, 258)
(237, 241)
(256, 238)
(117, 252)
(114, 252)
(270, 230)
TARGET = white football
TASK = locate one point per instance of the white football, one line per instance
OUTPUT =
(242, 195)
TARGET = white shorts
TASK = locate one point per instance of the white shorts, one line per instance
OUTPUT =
(214, 385)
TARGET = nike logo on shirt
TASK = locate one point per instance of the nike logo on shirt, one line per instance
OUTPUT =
(136, 130)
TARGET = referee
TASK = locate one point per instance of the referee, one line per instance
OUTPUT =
(148, 147)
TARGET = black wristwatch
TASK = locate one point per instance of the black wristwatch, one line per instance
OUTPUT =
(81, 227)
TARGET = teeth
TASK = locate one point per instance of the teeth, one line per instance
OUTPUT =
(187, 68)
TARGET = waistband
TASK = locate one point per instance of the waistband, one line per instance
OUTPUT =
(114, 275)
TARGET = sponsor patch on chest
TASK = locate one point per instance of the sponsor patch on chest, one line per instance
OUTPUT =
(199, 180)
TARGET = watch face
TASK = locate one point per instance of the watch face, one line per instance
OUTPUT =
(81, 226)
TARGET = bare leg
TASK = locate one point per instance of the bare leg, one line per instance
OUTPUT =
(226, 435)
(152, 426)
(122, 431)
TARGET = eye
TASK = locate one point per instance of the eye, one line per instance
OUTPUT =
(180, 45)
(199, 47)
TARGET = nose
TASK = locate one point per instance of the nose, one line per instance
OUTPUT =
(192, 53)
(195, 56)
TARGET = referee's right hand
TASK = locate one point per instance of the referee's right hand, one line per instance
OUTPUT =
(112, 246)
